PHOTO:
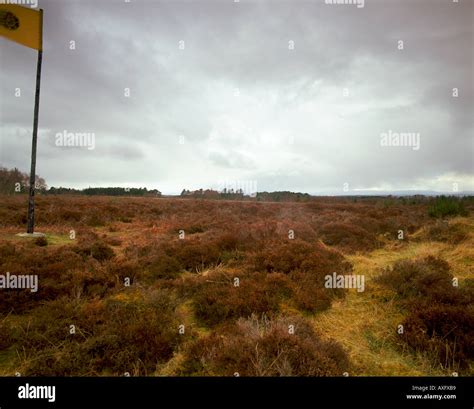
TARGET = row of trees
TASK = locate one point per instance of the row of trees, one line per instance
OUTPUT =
(238, 194)
(284, 196)
(14, 181)
(105, 191)
(120, 191)
(213, 194)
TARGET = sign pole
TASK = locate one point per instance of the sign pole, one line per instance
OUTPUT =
(31, 195)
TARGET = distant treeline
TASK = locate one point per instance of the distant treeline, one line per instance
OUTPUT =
(14, 181)
(230, 194)
(283, 196)
(104, 191)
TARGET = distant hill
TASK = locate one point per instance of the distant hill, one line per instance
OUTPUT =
(398, 193)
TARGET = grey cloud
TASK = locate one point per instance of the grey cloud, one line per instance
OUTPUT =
(283, 93)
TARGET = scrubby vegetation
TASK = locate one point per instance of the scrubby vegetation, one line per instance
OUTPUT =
(440, 320)
(446, 232)
(265, 347)
(131, 332)
(189, 286)
(447, 206)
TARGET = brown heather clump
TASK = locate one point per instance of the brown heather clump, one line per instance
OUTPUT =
(291, 272)
(216, 298)
(125, 268)
(97, 250)
(290, 255)
(309, 293)
(282, 346)
(440, 322)
(442, 231)
(168, 259)
(41, 241)
(306, 265)
(93, 283)
(54, 267)
(113, 241)
(131, 333)
(348, 237)
(8, 250)
(428, 279)
(444, 332)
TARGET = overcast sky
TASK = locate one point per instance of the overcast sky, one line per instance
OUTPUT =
(292, 95)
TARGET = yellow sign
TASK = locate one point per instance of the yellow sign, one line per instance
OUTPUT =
(22, 25)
